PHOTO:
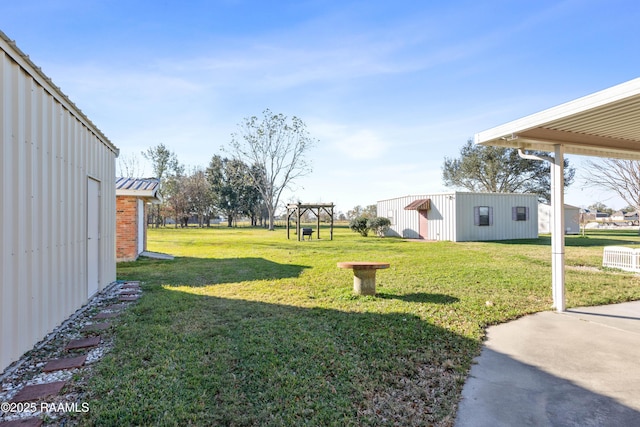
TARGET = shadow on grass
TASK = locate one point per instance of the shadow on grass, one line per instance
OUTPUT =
(577, 241)
(421, 297)
(204, 360)
(207, 271)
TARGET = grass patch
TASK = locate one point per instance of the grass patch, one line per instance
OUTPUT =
(246, 327)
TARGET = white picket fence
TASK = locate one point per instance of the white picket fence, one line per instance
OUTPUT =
(621, 257)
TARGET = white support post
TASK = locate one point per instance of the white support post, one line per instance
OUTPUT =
(557, 223)
(557, 233)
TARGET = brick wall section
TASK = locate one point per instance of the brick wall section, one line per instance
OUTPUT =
(126, 229)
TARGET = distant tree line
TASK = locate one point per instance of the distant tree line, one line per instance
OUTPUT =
(265, 156)
(225, 188)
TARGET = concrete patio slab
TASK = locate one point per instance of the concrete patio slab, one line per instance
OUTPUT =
(577, 368)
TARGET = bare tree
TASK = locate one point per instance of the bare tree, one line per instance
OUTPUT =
(129, 166)
(176, 199)
(163, 161)
(619, 176)
(199, 195)
(275, 148)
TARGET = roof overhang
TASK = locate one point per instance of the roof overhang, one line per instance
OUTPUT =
(146, 189)
(147, 196)
(419, 205)
(603, 124)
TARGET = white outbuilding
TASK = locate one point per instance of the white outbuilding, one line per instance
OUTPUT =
(57, 205)
(462, 216)
(571, 219)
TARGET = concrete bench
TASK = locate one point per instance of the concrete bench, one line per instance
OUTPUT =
(364, 275)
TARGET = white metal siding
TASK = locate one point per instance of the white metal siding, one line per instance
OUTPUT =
(406, 223)
(544, 218)
(450, 216)
(441, 217)
(571, 219)
(49, 148)
(503, 226)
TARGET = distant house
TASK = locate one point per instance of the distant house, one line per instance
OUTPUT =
(57, 216)
(622, 217)
(132, 197)
(592, 215)
(571, 219)
(631, 217)
(461, 216)
(617, 216)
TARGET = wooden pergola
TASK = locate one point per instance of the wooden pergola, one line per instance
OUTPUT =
(300, 209)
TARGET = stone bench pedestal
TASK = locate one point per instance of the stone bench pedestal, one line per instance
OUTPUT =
(364, 275)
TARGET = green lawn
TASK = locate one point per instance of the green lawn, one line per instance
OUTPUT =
(246, 327)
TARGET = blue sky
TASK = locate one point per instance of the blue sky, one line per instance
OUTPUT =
(389, 88)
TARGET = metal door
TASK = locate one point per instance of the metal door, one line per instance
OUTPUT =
(93, 236)
(422, 231)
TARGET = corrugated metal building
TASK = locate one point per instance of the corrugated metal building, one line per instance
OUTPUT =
(460, 216)
(57, 212)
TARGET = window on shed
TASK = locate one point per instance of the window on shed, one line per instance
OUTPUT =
(483, 215)
(391, 215)
(520, 213)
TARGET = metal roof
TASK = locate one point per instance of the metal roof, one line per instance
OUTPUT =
(146, 188)
(604, 124)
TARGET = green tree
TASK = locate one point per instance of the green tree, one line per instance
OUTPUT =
(501, 170)
(600, 207)
(379, 225)
(276, 148)
(360, 225)
(232, 187)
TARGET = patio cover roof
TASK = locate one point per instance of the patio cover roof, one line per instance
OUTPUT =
(604, 124)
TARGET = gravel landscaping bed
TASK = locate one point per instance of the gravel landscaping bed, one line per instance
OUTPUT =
(28, 370)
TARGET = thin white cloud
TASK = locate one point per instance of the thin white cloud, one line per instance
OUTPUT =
(347, 141)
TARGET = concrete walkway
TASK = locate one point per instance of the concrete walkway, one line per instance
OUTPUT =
(578, 368)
